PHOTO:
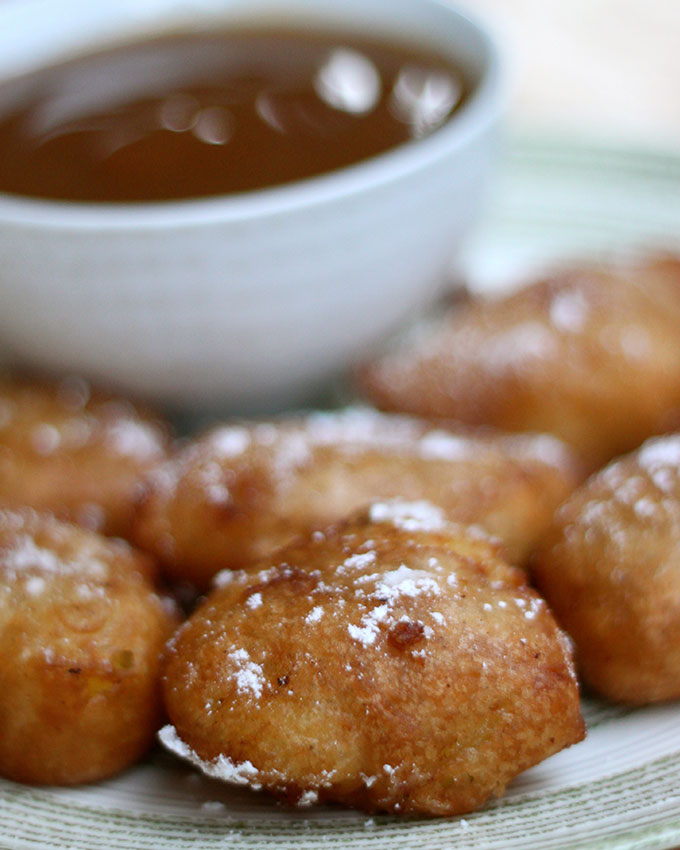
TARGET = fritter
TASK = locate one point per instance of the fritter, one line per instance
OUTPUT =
(393, 663)
(610, 568)
(590, 354)
(81, 632)
(241, 491)
(73, 452)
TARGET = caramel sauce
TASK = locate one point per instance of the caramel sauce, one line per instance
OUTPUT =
(191, 116)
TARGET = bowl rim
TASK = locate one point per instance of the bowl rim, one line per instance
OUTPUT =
(482, 108)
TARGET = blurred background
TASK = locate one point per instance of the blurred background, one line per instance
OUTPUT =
(590, 165)
(608, 69)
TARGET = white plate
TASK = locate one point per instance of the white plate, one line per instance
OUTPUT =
(617, 790)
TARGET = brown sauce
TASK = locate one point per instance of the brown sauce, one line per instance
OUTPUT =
(198, 115)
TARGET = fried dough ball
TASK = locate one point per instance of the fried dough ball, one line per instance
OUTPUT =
(393, 662)
(81, 632)
(74, 453)
(591, 355)
(610, 568)
(241, 491)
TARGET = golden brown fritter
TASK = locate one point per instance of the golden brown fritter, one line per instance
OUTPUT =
(241, 491)
(393, 662)
(74, 453)
(591, 355)
(610, 568)
(81, 632)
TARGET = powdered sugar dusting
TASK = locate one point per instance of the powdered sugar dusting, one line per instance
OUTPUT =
(664, 478)
(292, 451)
(26, 554)
(231, 441)
(409, 516)
(406, 582)
(25, 557)
(35, 585)
(356, 429)
(520, 344)
(664, 451)
(282, 450)
(360, 428)
(370, 625)
(360, 560)
(645, 509)
(248, 675)
(536, 605)
(45, 439)
(539, 447)
(134, 439)
(638, 492)
(308, 798)
(390, 590)
(659, 458)
(223, 578)
(314, 615)
(569, 311)
(441, 445)
(242, 773)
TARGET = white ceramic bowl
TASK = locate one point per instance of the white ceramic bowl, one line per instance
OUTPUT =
(247, 302)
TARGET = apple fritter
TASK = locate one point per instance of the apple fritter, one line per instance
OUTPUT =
(591, 355)
(81, 632)
(610, 568)
(73, 452)
(393, 662)
(241, 491)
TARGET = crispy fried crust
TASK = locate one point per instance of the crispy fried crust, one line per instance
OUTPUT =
(81, 632)
(610, 567)
(590, 355)
(393, 663)
(77, 454)
(239, 492)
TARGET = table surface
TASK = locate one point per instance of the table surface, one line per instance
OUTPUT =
(607, 69)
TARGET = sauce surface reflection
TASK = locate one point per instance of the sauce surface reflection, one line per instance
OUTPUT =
(200, 115)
